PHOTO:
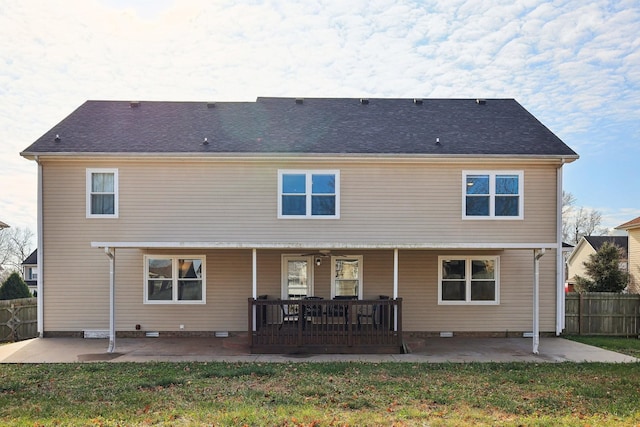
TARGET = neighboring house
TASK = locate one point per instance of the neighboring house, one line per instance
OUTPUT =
(181, 211)
(633, 229)
(30, 271)
(588, 246)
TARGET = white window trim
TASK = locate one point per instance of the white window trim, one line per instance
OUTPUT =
(308, 176)
(492, 194)
(90, 173)
(174, 278)
(468, 259)
(333, 273)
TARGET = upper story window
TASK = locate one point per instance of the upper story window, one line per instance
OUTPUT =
(308, 194)
(174, 279)
(492, 195)
(468, 280)
(102, 193)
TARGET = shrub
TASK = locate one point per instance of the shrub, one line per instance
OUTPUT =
(603, 269)
(14, 288)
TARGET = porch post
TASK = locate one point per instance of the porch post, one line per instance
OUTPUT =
(537, 254)
(254, 281)
(395, 286)
(111, 253)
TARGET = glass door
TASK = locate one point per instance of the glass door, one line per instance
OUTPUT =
(297, 277)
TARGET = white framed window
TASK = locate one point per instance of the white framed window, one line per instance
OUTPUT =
(346, 273)
(309, 194)
(492, 195)
(102, 193)
(470, 280)
(174, 279)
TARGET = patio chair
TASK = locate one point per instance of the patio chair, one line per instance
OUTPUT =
(289, 314)
(365, 313)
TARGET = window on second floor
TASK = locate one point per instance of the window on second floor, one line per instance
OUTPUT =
(102, 193)
(492, 195)
(308, 194)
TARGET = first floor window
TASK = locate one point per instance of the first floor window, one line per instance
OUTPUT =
(468, 280)
(102, 193)
(347, 276)
(174, 279)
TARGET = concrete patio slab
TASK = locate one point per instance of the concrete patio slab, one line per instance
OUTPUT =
(234, 349)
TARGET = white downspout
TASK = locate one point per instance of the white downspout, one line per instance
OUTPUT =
(40, 248)
(560, 297)
(111, 253)
(537, 254)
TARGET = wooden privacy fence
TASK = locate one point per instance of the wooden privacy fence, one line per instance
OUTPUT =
(18, 319)
(602, 313)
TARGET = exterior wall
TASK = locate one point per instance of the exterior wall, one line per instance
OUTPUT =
(228, 285)
(232, 201)
(634, 260)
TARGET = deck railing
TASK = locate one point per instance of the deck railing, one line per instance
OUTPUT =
(325, 326)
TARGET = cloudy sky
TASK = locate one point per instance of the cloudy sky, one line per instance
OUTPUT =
(574, 64)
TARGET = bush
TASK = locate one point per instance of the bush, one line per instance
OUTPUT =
(14, 288)
(603, 269)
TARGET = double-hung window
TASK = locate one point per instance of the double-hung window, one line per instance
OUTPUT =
(468, 280)
(174, 279)
(308, 194)
(102, 193)
(492, 195)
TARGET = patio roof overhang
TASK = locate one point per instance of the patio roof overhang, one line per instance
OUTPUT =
(323, 245)
(538, 249)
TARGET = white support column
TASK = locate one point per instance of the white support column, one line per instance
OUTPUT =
(111, 253)
(254, 281)
(395, 273)
(395, 285)
(537, 254)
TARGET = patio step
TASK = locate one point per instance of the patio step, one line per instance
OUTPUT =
(413, 344)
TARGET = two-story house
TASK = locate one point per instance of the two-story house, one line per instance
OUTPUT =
(167, 217)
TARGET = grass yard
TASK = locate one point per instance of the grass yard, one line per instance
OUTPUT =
(629, 346)
(319, 394)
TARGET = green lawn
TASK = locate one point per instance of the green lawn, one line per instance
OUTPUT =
(319, 394)
(629, 346)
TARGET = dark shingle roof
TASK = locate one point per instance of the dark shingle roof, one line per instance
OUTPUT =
(31, 259)
(313, 126)
(597, 241)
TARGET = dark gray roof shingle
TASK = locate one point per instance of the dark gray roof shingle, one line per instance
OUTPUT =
(313, 126)
(597, 241)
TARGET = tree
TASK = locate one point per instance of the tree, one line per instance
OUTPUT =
(14, 288)
(603, 269)
(15, 246)
(580, 222)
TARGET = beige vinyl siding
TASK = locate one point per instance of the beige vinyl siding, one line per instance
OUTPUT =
(237, 202)
(419, 289)
(634, 260)
(201, 201)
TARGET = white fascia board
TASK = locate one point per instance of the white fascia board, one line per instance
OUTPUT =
(324, 245)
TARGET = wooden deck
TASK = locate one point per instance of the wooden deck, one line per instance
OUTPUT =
(325, 326)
